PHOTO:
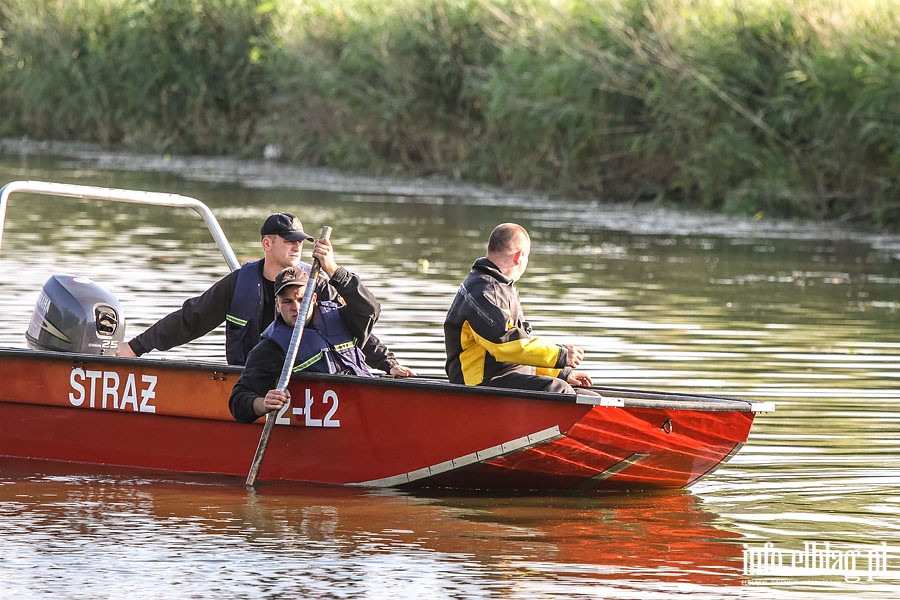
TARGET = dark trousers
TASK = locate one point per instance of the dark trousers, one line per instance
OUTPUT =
(541, 383)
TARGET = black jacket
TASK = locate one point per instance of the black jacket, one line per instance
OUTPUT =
(201, 314)
(486, 335)
(266, 360)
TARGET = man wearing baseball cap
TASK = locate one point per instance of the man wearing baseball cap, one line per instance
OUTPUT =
(287, 226)
(245, 301)
(332, 339)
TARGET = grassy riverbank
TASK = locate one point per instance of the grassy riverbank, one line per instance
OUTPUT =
(774, 106)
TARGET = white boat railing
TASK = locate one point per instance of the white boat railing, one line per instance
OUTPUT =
(118, 195)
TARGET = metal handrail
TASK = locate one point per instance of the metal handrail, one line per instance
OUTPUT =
(119, 195)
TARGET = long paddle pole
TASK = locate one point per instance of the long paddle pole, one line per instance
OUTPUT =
(288, 366)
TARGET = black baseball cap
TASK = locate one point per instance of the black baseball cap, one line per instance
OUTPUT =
(287, 226)
(290, 276)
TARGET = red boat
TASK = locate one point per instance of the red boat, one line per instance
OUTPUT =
(89, 406)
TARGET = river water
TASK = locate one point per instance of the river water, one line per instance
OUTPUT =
(802, 315)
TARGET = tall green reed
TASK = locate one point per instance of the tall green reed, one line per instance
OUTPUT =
(172, 75)
(772, 106)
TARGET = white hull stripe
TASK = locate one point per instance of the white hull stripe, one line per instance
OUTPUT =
(613, 470)
(510, 447)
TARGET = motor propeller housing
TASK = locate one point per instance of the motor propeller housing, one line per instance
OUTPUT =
(75, 314)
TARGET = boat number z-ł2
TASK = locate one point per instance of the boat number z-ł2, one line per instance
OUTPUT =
(105, 389)
(310, 406)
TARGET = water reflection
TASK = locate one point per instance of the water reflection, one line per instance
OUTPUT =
(328, 539)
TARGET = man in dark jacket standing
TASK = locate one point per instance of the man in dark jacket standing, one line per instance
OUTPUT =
(487, 339)
(245, 301)
(332, 337)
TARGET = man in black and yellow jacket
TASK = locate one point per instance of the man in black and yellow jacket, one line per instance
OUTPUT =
(487, 339)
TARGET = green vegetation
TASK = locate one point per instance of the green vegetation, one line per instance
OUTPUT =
(786, 107)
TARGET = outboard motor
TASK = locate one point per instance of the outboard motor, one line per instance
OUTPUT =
(74, 314)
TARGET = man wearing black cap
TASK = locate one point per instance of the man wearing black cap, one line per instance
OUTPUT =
(245, 300)
(331, 342)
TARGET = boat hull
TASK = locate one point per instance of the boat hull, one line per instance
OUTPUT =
(171, 416)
